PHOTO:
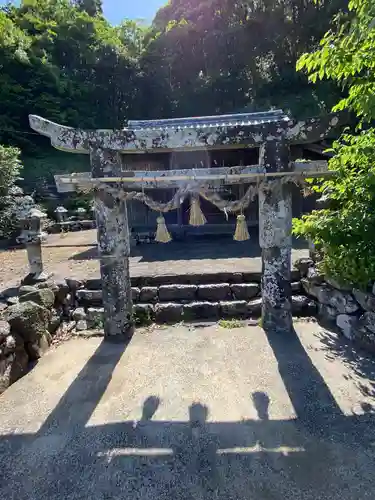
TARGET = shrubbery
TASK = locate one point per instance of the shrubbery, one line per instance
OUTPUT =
(345, 232)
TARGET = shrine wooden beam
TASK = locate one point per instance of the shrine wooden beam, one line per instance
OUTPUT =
(173, 178)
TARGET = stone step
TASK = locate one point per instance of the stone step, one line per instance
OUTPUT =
(178, 293)
(213, 292)
(174, 312)
(191, 279)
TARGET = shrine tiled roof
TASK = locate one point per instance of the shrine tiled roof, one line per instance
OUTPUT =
(232, 120)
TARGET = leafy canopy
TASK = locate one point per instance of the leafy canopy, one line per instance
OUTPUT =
(345, 230)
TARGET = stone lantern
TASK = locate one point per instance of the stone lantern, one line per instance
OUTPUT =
(32, 236)
(61, 214)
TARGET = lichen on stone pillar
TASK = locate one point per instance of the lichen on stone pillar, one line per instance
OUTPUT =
(114, 249)
(275, 220)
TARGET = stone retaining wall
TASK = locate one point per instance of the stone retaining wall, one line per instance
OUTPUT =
(342, 305)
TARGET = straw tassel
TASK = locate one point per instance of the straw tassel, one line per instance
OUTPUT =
(162, 234)
(197, 217)
(242, 233)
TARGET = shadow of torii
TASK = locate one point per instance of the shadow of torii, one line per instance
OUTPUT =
(320, 454)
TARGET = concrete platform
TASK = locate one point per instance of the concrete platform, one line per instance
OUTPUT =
(185, 412)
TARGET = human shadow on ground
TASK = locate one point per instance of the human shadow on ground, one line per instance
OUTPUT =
(212, 247)
(319, 454)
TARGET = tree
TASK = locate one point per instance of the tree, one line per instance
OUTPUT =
(225, 56)
(10, 168)
(344, 231)
(92, 7)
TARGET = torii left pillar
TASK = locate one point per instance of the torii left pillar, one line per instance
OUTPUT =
(113, 247)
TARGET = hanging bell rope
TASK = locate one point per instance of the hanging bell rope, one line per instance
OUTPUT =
(162, 234)
(242, 232)
(197, 217)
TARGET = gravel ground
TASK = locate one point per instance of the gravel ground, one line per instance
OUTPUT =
(75, 255)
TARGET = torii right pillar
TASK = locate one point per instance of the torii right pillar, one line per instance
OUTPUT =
(275, 224)
(275, 216)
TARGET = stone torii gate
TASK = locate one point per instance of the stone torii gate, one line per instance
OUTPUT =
(272, 132)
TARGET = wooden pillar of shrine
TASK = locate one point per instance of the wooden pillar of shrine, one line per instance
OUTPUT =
(113, 247)
(275, 223)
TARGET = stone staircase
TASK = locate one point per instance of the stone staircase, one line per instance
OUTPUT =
(190, 297)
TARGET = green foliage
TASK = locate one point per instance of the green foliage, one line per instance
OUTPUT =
(141, 317)
(344, 232)
(230, 323)
(10, 168)
(346, 55)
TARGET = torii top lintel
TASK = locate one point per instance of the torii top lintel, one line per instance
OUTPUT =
(208, 132)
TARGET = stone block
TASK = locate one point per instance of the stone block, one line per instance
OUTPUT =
(149, 294)
(303, 306)
(347, 324)
(12, 301)
(303, 265)
(296, 287)
(314, 275)
(29, 320)
(254, 307)
(95, 317)
(93, 284)
(236, 278)
(245, 291)
(81, 325)
(234, 309)
(295, 275)
(42, 296)
(74, 284)
(344, 286)
(9, 345)
(327, 313)
(253, 277)
(168, 313)
(61, 291)
(55, 321)
(177, 292)
(12, 368)
(201, 310)
(365, 300)
(143, 314)
(79, 314)
(35, 350)
(135, 294)
(4, 330)
(343, 302)
(367, 321)
(89, 297)
(214, 293)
